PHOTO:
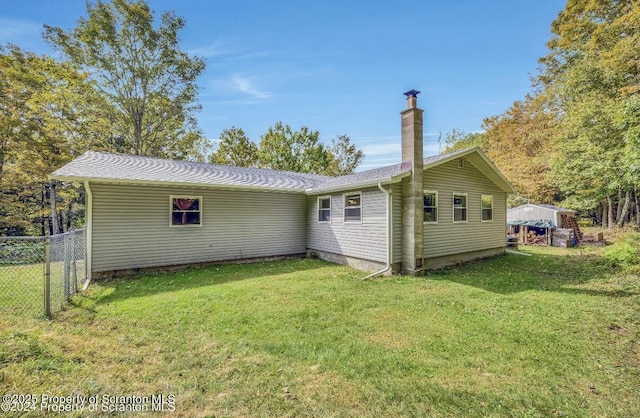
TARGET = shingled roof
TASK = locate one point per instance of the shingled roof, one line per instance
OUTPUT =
(369, 178)
(133, 169)
(118, 168)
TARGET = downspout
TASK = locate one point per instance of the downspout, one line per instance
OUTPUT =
(389, 237)
(88, 233)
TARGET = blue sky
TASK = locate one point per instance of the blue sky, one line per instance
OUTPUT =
(340, 67)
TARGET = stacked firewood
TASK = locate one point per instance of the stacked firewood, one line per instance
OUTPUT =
(534, 238)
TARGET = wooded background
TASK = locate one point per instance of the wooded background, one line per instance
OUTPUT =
(125, 86)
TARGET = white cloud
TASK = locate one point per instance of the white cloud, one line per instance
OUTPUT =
(214, 49)
(381, 149)
(246, 86)
(19, 32)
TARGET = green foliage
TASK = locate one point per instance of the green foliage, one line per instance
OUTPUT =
(519, 142)
(282, 148)
(45, 106)
(147, 82)
(235, 149)
(458, 140)
(575, 139)
(345, 157)
(625, 253)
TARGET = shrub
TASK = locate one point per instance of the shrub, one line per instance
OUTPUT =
(625, 253)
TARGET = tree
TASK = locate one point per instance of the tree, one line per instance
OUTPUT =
(235, 149)
(458, 139)
(345, 156)
(591, 74)
(519, 142)
(45, 107)
(282, 148)
(148, 83)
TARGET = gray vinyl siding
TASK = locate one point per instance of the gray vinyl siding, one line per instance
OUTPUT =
(446, 237)
(131, 226)
(366, 240)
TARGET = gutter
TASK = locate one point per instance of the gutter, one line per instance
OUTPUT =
(389, 237)
(89, 233)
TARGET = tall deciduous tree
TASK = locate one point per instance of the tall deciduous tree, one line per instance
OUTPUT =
(592, 74)
(235, 148)
(147, 80)
(345, 156)
(45, 107)
(519, 142)
(282, 148)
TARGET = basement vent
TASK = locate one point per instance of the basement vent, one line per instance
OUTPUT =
(460, 162)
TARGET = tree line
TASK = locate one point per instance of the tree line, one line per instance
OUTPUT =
(574, 140)
(123, 86)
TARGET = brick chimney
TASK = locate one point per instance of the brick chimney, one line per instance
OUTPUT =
(412, 193)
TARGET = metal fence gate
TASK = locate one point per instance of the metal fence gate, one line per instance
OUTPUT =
(38, 275)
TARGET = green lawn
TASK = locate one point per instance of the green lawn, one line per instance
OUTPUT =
(22, 289)
(555, 334)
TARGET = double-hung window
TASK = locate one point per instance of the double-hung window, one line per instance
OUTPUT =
(459, 208)
(430, 204)
(487, 207)
(186, 211)
(353, 207)
(324, 209)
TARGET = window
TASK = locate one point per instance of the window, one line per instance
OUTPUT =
(324, 209)
(487, 208)
(430, 203)
(459, 208)
(352, 207)
(186, 210)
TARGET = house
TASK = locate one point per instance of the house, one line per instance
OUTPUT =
(418, 214)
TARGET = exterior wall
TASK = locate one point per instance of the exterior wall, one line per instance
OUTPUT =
(131, 226)
(366, 240)
(446, 237)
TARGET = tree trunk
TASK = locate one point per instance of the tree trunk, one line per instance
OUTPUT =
(625, 209)
(55, 227)
(69, 215)
(610, 219)
(637, 208)
(620, 205)
(605, 215)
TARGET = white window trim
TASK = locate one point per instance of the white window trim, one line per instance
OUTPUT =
(179, 196)
(481, 208)
(319, 209)
(453, 207)
(437, 209)
(344, 208)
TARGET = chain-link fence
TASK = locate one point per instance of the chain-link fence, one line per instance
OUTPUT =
(39, 274)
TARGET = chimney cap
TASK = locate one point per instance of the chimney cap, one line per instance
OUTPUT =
(411, 93)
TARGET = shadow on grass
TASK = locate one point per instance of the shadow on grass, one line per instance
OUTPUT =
(570, 272)
(152, 283)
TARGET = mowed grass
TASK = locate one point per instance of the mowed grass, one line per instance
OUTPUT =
(22, 289)
(554, 334)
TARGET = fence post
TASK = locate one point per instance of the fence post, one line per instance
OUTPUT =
(47, 277)
(65, 258)
(74, 271)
